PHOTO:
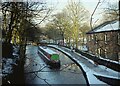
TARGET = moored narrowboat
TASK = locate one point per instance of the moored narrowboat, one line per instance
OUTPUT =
(49, 56)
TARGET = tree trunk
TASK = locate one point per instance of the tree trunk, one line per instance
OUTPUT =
(76, 42)
(69, 42)
(63, 37)
(9, 34)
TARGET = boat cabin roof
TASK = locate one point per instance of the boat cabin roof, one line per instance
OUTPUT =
(48, 50)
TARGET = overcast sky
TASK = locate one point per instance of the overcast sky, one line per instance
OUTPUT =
(90, 5)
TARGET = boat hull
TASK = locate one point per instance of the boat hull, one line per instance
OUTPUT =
(48, 61)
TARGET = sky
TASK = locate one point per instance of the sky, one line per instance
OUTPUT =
(90, 5)
(60, 4)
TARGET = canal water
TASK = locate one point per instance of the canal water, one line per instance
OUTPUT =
(37, 72)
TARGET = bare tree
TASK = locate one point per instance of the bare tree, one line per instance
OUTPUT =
(59, 23)
(52, 32)
(111, 12)
(71, 22)
(91, 23)
(77, 16)
(17, 17)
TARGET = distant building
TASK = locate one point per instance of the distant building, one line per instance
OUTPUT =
(104, 40)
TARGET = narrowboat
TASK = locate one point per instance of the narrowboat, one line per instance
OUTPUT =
(49, 56)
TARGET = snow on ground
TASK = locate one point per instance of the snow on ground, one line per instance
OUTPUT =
(7, 67)
(89, 72)
(103, 70)
(107, 71)
(110, 60)
(92, 79)
(8, 63)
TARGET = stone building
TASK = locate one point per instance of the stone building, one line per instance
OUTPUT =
(104, 40)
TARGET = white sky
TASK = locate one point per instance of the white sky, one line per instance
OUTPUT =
(60, 4)
(90, 5)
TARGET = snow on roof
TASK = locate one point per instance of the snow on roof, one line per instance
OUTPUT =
(48, 50)
(105, 27)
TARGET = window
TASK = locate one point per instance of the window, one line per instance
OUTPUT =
(89, 38)
(105, 37)
(119, 56)
(99, 51)
(100, 37)
(118, 38)
(96, 39)
(105, 51)
(92, 36)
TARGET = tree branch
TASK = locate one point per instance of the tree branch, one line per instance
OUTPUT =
(93, 14)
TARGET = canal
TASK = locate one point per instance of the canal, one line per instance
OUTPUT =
(37, 72)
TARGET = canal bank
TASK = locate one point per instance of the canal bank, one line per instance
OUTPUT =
(90, 69)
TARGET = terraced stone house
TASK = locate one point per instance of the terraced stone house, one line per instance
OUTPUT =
(104, 40)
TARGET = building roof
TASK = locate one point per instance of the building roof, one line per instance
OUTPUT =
(106, 27)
